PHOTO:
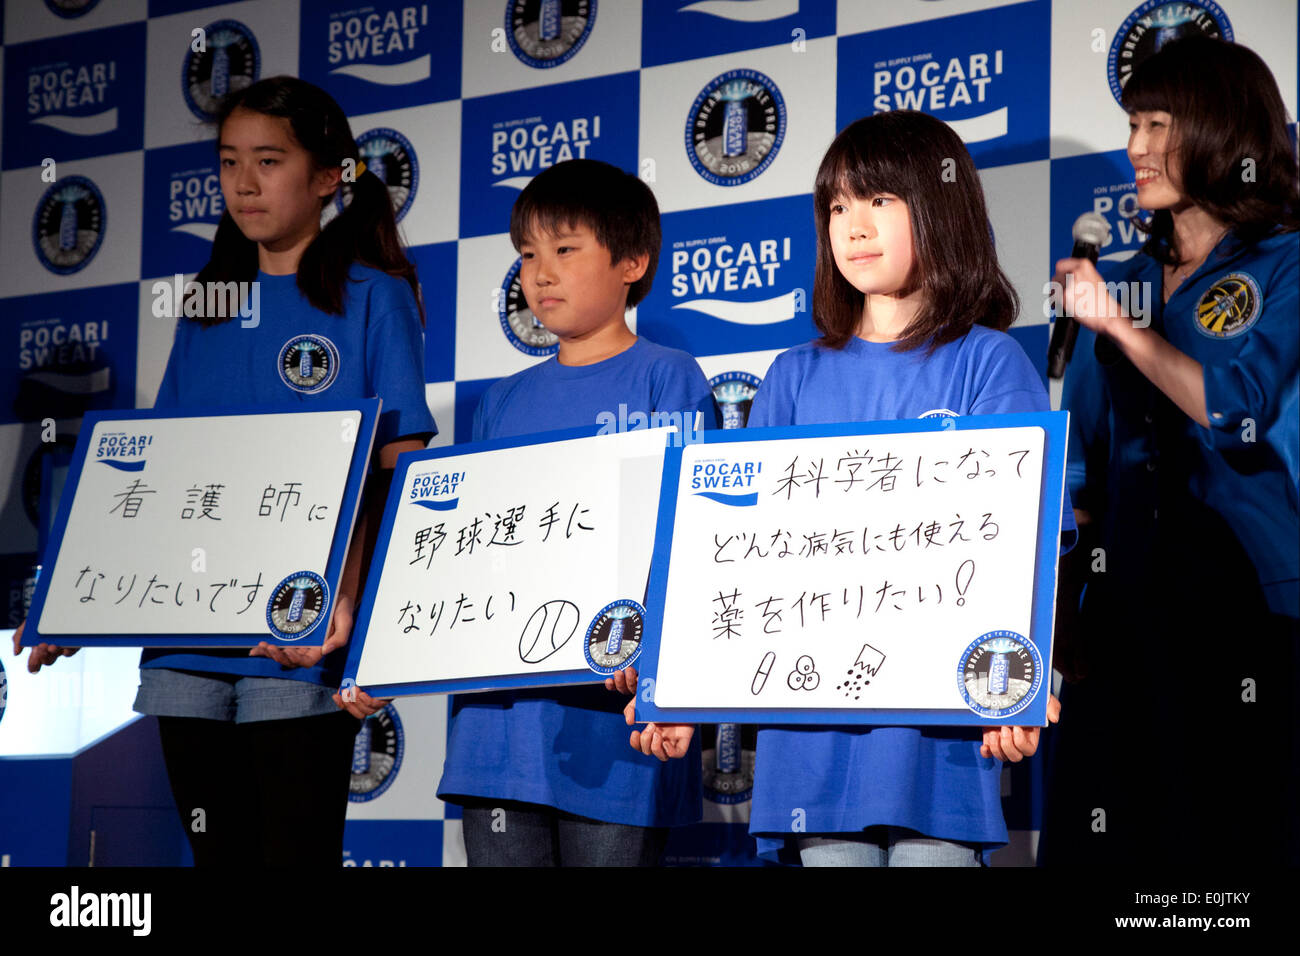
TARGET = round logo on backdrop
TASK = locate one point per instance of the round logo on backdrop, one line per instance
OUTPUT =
(4, 691)
(297, 605)
(68, 227)
(546, 33)
(309, 363)
(735, 127)
(389, 155)
(999, 674)
(1229, 307)
(376, 755)
(69, 9)
(1152, 25)
(728, 766)
(31, 486)
(518, 322)
(614, 637)
(229, 61)
(734, 392)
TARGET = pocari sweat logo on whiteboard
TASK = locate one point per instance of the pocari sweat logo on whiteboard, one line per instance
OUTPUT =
(509, 138)
(124, 451)
(546, 33)
(436, 490)
(1101, 183)
(985, 75)
(68, 225)
(229, 60)
(677, 30)
(183, 205)
(733, 483)
(1152, 25)
(733, 279)
(74, 96)
(735, 127)
(380, 55)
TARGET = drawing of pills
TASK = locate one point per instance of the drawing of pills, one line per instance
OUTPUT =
(804, 676)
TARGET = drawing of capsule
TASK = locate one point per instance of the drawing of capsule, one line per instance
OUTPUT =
(760, 675)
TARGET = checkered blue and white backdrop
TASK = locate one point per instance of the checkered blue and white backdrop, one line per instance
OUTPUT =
(109, 183)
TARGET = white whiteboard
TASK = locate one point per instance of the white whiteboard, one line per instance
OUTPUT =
(850, 587)
(186, 525)
(491, 608)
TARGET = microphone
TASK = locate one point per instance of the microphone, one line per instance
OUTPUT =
(1091, 232)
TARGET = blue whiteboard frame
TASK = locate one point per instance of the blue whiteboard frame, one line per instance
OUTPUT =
(405, 462)
(1056, 429)
(361, 449)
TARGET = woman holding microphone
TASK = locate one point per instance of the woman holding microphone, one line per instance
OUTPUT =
(1177, 738)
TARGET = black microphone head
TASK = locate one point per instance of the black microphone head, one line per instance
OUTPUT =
(1091, 229)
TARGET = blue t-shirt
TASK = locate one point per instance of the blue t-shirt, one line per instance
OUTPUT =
(568, 747)
(842, 780)
(1145, 467)
(378, 344)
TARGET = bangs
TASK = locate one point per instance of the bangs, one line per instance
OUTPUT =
(852, 168)
(1147, 92)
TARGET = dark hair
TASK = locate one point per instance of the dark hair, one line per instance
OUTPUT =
(616, 206)
(1226, 109)
(365, 231)
(955, 267)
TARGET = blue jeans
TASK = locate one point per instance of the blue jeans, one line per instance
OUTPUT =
(885, 846)
(509, 833)
(214, 696)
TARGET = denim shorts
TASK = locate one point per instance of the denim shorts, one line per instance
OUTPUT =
(168, 693)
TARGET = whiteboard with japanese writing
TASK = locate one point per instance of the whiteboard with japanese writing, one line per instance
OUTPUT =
(498, 558)
(209, 530)
(896, 576)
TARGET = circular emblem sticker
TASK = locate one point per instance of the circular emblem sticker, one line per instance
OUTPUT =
(546, 33)
(68, 227)
(728, 771)
(229, 61)
(735, 127)
(1154, 24)
(734, 393)
(297, 605)
(390, 156)
(68, 9)
(518, 322)
(376, 755)
(309, 363)
(999, 674)
(4, 691)
(614, 637)
(1229, 307)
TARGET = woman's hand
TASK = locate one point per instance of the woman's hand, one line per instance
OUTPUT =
(339, 632)
(659, 740)
(623, 681)
(1016, 743)
(42, 655)
(358, 703)
(1081, 292)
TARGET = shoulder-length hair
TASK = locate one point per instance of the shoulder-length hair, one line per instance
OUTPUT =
(922, 161)
(1229, 134)
(365, 231)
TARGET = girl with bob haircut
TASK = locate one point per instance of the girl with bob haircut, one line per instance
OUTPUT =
(912, 308)
(1183, 455)
(255, 739)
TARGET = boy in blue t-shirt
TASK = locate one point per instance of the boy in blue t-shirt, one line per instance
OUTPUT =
(546, 777)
